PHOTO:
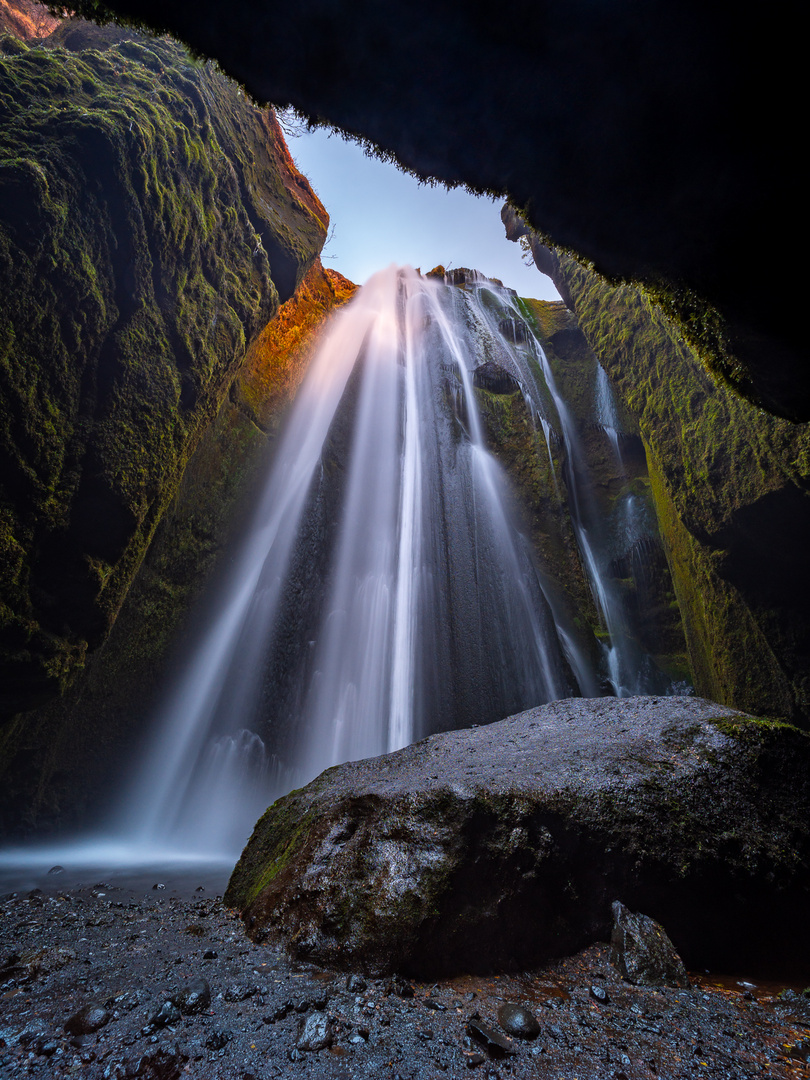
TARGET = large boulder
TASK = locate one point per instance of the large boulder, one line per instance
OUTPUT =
(502, 845)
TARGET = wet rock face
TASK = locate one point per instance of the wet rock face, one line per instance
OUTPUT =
(127, 309)
(496, 379)
(498, 846)
(602, 124)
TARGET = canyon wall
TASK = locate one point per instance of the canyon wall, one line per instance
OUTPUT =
(151, 222)
(730, 484)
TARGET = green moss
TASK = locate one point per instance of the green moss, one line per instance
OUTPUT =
(282, 833)
(755, 728)
(150, 219)
(728, 482)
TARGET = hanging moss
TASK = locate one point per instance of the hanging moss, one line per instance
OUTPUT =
(57, 761)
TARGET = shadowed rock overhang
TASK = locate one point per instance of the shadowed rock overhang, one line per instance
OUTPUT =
(640, 134)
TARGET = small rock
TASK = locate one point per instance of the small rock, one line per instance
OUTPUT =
(356, 984)
(471, 1052)
(317, 1032)
(56, 870)
(642, 952)
(437, 1006)
(399, 986)
(210, 954)
(280, 1013)
(158, 885)
(87, 1020)
(799, 1051)
(33, 1030)
(168, 1013)
(495, 1044)
(598, 993)
(193, 998)
(518, 1020)
(218, 1040)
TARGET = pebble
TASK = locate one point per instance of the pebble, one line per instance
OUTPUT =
(518, 1020)
(598, 993)
(87, 1020)
(490, 1038)
(168, 1013)
(193, 998)
(218, 1040)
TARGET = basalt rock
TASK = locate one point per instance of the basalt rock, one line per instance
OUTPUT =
(499, 846)
(493, 377)
(642, 952)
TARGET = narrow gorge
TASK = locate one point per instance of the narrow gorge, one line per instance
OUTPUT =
(462, 615)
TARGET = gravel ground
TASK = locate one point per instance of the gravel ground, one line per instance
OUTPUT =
(132, 962)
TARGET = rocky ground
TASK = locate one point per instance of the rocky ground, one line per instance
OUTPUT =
(113, 981)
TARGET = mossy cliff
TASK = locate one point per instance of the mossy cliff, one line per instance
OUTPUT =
(730, 485)
(56, 761)
(151, 222)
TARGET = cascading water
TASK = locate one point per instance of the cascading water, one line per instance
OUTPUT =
(382, 591)
(380, 594)
(497, 319)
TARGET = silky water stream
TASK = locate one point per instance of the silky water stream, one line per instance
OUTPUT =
(381, 591)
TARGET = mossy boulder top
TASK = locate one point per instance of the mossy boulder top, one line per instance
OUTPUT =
(499, 846)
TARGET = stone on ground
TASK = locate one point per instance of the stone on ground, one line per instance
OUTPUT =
(642, 952)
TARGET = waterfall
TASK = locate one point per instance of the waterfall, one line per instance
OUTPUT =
(381, 591)
(606, 410)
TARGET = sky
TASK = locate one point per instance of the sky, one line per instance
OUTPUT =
(381, 215)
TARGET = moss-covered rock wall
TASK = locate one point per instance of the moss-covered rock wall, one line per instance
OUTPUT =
(730, 485)
(56, 761)
(151, 222)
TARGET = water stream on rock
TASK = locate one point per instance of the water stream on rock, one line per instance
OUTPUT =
(382, 590)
